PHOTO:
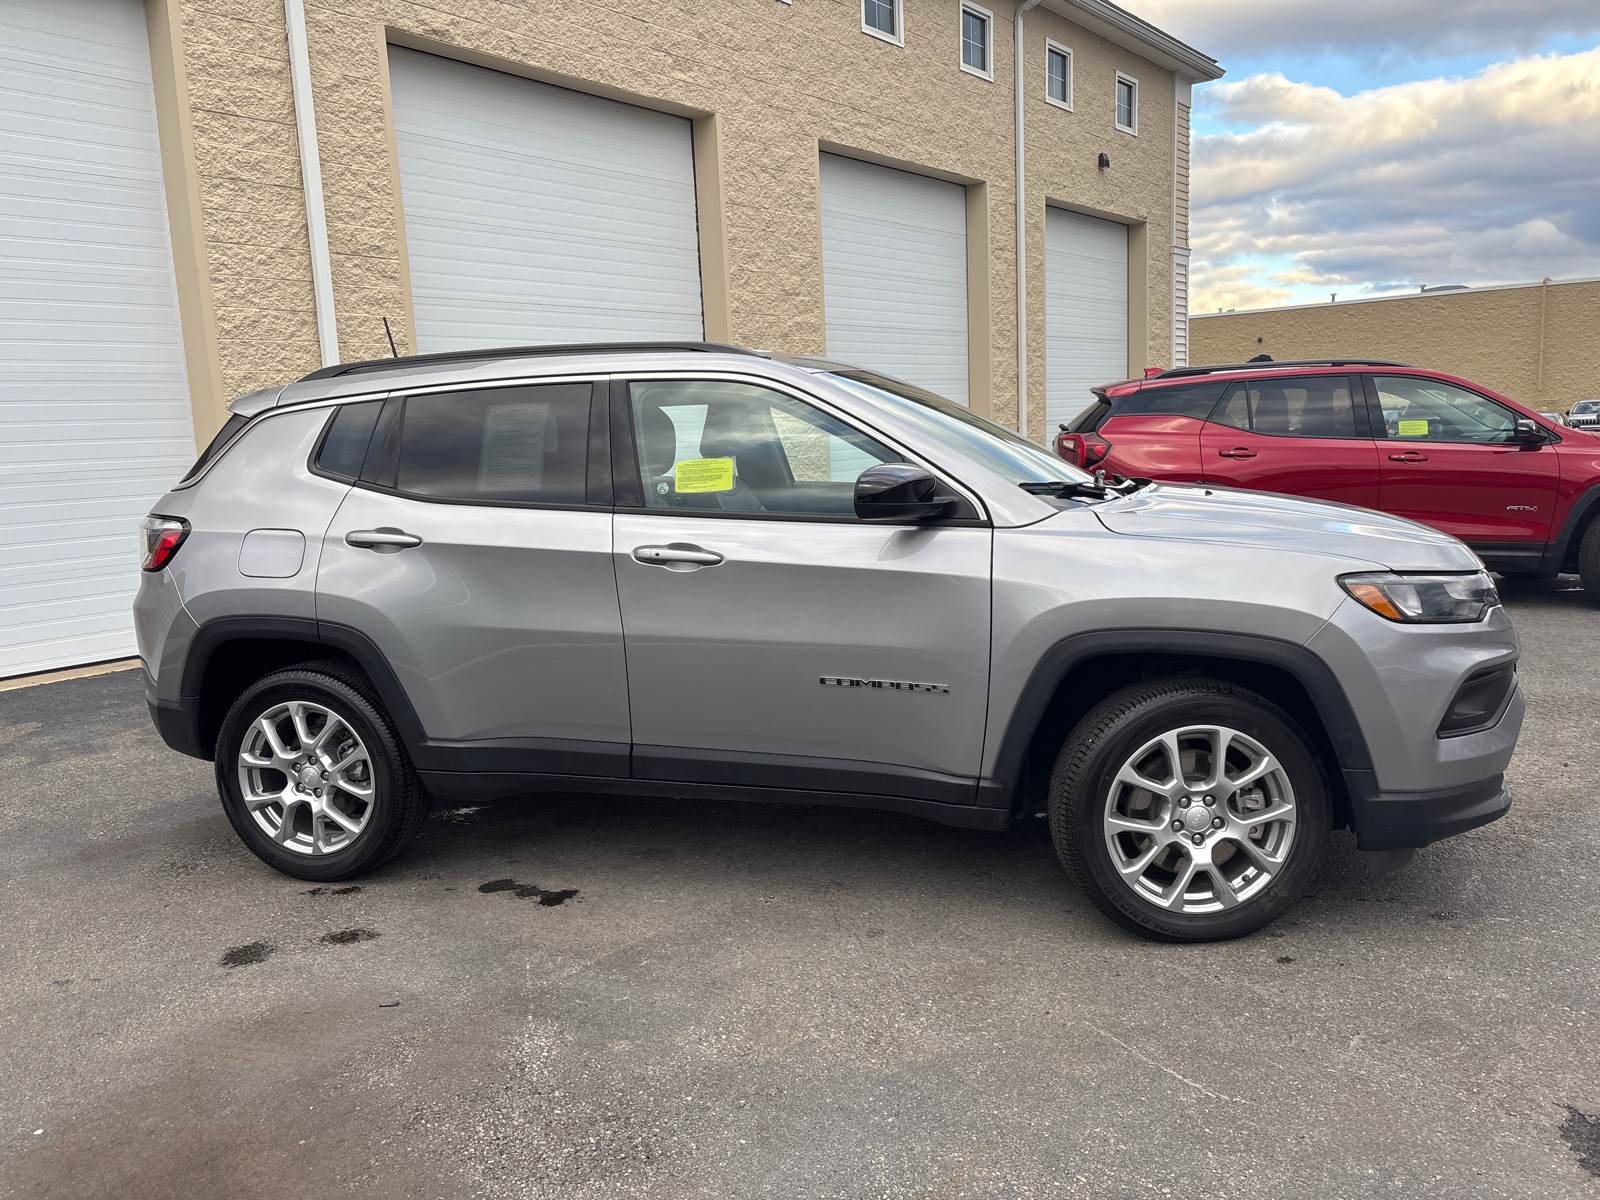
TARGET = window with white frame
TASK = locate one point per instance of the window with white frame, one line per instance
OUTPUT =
(977, 40)
(1127, 103)
(882, 19)
(1058, 74)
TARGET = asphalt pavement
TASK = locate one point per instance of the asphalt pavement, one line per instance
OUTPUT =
(743, 1000)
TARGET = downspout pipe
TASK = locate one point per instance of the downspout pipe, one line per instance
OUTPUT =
(1022, 227)
(305, 125)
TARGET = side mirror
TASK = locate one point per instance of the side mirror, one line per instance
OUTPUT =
(1528, 432)
(899, 492)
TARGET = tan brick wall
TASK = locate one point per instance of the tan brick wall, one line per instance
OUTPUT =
(1490, 337)
(783, 80)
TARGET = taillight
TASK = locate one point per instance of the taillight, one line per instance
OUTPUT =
(1095, 448)
(1070, 447)
(159, 539)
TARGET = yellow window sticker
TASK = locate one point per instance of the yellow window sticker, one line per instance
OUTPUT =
(1413, 429)
(706, 475)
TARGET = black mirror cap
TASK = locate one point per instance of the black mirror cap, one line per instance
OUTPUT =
(900, 492)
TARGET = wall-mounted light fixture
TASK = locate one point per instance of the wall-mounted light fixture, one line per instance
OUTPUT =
(1105, 161)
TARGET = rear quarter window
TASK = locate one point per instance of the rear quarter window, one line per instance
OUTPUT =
(1194, 400)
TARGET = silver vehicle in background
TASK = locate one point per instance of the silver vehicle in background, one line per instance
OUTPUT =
(1585, 414)
(688, 570)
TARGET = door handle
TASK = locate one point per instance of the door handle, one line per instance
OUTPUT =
(1237, 452)
(374, 538)
(677, 552)
(1408, 456)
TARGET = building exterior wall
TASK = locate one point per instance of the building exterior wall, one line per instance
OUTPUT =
(1534, 342)
(769, 85)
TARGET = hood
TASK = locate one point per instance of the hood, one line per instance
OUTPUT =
(1266, 519)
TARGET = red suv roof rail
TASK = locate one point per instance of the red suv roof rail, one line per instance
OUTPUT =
(1274, 366)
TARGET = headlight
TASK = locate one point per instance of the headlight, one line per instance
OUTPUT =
(1424, 598)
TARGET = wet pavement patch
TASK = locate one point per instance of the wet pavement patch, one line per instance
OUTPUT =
(344, 937)
(333, 891)
(250, 952)
(1582, 1133)
(529, 891)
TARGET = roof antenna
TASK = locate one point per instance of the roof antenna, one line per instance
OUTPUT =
(393, 353)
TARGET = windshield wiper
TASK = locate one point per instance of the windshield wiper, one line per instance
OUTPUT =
(1100, 489)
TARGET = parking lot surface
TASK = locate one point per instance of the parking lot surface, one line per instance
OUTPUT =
(587, 996)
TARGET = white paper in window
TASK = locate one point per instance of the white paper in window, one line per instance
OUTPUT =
(516, 437)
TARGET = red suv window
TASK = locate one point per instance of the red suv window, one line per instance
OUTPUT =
(1297, 406)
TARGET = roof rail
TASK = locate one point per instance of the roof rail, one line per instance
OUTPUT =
(1273, 366)
(464, 356)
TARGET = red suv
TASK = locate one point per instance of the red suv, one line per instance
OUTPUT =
(1522, 492)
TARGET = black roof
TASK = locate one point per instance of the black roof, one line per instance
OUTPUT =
(462, 356)
(1176, 372)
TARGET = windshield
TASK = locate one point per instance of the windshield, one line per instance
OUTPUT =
(994, 446)
(1586, 406)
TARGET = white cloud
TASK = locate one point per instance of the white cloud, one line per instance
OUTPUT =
(1488, 179)
(1404, 28)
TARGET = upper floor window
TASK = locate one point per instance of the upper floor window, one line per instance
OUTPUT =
(977, 42)
(882, 19)
(1127, 103)
(1058, 75)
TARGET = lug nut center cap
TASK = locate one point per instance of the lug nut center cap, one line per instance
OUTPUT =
(1197, 818)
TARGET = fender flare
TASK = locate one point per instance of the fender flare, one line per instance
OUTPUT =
(1315, 676)
(220, 631)
(1578, 516)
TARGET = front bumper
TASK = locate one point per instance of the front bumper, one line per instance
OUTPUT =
(1409, 820)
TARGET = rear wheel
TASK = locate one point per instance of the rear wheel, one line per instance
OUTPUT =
(1189, 810)
(313, 777)
(1589, 561)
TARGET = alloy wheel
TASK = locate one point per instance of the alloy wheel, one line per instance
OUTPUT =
(306, 778)
(1199, 819)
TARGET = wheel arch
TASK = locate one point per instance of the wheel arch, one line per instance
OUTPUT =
(1563, 554)
(1080, 671)
(226, 655)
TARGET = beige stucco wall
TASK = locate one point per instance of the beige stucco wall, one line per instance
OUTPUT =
(1494, 337)
(770, 85)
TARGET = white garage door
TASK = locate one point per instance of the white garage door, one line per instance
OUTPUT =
(94, 409)
(1086, 310)
(894, 273)
(536, 214)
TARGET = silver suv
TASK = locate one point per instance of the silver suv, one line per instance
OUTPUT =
(695, 570)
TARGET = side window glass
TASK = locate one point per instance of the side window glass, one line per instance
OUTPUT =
(1235, 410)
(737, 447)
(1303, 406)
(1195, 401)
(1430, 410)
(345, 446)
(497, 446)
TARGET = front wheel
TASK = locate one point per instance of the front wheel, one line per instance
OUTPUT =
(1589, 561)
(1189, 810)
(314, 778)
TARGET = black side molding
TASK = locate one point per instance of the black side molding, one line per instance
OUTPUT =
(478, 786)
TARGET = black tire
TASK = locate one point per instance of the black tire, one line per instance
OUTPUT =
(1081, 792)
(398, 805)
(1589, 561)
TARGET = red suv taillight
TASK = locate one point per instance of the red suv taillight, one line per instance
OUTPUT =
(1082, 449)
(159, 539)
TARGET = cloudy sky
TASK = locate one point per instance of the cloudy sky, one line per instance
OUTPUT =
(1366, 147)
